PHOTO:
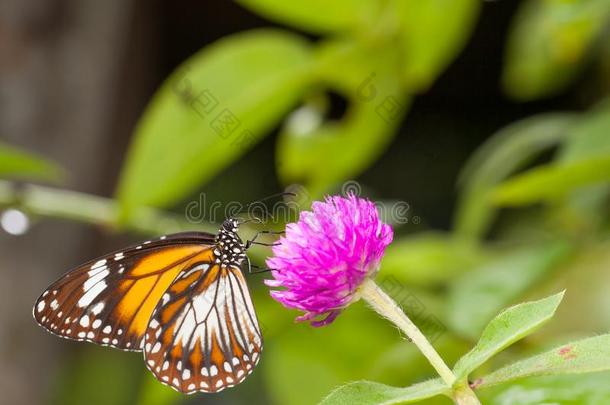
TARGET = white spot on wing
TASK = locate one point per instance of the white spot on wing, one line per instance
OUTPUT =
(98, 308)
(93, 280)
(92, 293)
(99, 263)
(213, 370)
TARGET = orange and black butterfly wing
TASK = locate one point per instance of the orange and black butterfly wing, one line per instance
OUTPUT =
(204, 334)
(109, 301)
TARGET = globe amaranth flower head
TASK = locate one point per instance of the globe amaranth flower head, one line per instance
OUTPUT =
(324, 257)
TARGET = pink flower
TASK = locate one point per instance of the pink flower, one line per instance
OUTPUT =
(325, 256)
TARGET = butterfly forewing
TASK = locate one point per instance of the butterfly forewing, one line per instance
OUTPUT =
(109, 301)
(204, 334)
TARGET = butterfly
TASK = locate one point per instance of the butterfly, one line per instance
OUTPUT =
(181, 299)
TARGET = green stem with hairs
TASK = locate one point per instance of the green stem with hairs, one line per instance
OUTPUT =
(386, 307)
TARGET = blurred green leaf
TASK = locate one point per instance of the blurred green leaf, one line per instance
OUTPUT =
(432, 33)
(317, 16)
(318, 153)
(584, 210)
(430, 258)
(215, 107)
(16, 163)
(551, 182)
(583, 356)
(548, 44)
(323, 357)
(565, 390)
(509, 150)
(336, 151)
(589, 137)
(98, 376)
(478, 295)
(372, 393)
(390, 366)
(508, 327)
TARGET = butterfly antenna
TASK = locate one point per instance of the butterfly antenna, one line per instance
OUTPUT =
(254, 219)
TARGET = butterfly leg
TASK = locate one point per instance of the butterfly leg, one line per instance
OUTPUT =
(259, 269)
(253, 240)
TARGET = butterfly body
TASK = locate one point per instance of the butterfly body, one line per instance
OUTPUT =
(182, 300)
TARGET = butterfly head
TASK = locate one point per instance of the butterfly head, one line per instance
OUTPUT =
(230, 251)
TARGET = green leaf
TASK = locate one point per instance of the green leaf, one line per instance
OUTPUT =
(432, 33)
(430, 258)
(548, 44)
(215, 107)
(583, 356)
(589, 137)
(508, 327)
(509, 150)
(478, 295)
(317, 16)
(591, 389)
(551, 182)
(390, 366)
(372, 393)
(324, 357)
(16, 163)
(584, 210)
(336, 151)
(319, 154)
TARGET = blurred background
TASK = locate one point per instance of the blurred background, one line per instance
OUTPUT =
(485, 123)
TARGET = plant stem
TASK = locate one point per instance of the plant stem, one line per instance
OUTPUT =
(386, 307)
(465, 396)
(87, 208)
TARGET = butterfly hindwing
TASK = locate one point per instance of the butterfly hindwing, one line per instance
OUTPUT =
(109, 301)
(204, 334)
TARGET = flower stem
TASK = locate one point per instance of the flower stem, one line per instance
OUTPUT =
(465, 396)
(386, 307)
